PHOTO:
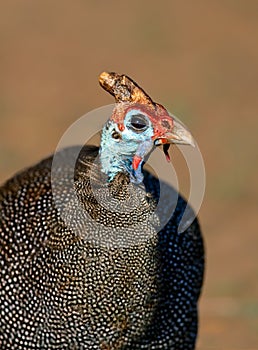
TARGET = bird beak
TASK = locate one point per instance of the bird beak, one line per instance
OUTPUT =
(179, 135)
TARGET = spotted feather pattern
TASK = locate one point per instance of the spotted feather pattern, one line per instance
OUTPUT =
(89, 279)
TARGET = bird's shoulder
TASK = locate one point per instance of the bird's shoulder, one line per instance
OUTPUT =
(39, 174)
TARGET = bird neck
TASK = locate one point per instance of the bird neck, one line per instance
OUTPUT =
(116, 156)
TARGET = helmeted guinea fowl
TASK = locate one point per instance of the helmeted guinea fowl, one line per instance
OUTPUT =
(91, 265)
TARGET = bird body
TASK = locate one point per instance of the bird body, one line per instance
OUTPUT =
(87, 266)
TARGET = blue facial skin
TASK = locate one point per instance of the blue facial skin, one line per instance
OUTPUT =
(118, 148)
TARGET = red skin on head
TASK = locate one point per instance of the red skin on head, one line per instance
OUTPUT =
(159, 117)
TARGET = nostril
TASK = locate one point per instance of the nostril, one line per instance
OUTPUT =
(166, 124)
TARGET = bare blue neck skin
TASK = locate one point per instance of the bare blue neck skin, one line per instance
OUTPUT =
(116, 154)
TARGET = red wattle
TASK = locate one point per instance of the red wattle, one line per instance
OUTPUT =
(136, 162)
(168, 157)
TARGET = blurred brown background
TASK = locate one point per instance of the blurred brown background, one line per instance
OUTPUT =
(198, 58)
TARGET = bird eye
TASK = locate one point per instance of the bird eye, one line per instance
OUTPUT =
(139, 122)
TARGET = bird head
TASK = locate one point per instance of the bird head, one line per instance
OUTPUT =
(136, 126)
